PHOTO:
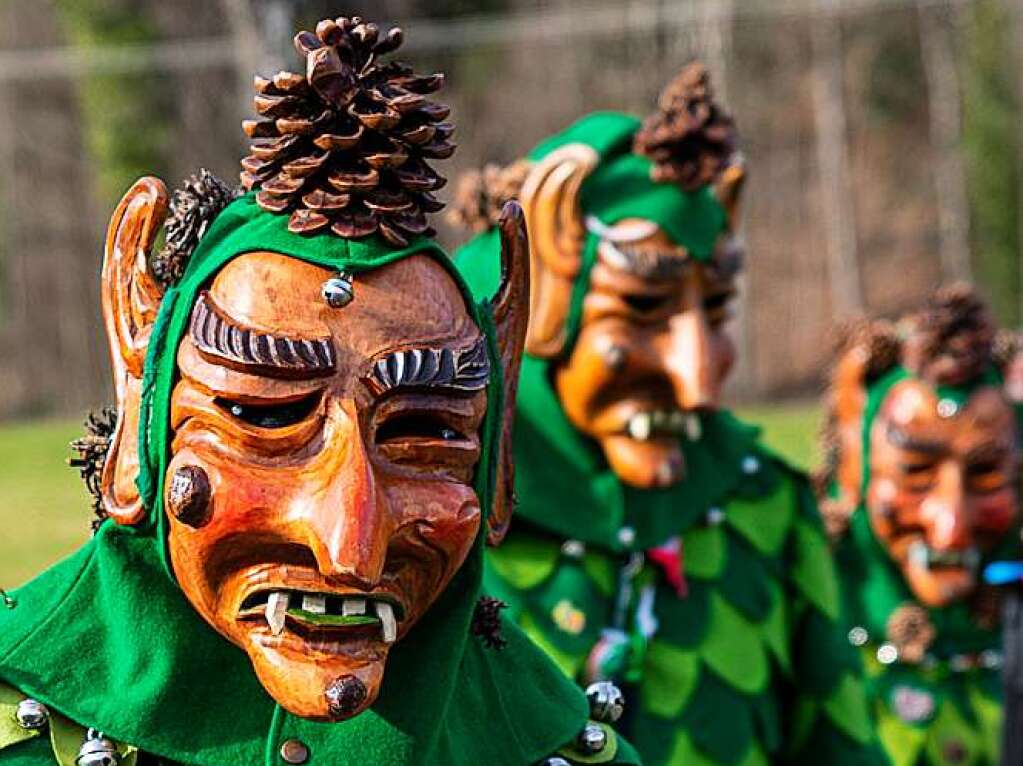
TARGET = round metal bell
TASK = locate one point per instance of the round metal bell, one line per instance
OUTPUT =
(607, 703)
(592, 740)
(32, 714)
(555, 760)
(97, 750)
(338, 291)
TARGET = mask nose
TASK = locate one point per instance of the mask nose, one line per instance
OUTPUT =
(690, 360)
(348, 526)
(945, 509)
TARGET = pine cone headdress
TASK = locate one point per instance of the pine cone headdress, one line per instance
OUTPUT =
(345, 146)
(690, 139)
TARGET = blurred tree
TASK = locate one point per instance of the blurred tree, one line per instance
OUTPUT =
(124, 116)
(990, 116)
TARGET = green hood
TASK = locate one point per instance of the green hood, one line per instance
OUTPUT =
(107, 637)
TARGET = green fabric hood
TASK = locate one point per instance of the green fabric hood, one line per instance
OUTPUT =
(107, 638)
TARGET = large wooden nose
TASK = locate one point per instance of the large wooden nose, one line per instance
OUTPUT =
(348, 525)
(945, 511)
(690, 360)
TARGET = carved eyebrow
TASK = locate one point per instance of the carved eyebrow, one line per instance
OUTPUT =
(646, 263)
(217, 335)
(465, 369)
(901, 439)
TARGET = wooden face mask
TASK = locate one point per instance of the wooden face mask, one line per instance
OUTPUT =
(320, 485)
(940, 483)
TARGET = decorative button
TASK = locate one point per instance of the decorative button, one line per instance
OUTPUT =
(947, 408)
(715, 516)
(627, 536)
(750, 465)
(294, 751)
(32, 714)
(887, 654)
(858, 636)
(593, 739)
(573, 549)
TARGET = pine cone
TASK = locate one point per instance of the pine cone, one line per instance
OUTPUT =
(836, 514)
(951, 341)
(480, 194)
(92, 452)
(345, 146)
(192, 209)
(691, 139)
(910, 631)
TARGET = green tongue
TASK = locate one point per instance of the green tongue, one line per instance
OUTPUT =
(314, 618)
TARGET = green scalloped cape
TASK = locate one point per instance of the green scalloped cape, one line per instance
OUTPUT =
(751, 665)
(107, 639)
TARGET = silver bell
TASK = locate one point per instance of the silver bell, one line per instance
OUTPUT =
(338, 291)
(554, 760)
(592, 739)
(32, 714)
(97, 750)
(607, 703)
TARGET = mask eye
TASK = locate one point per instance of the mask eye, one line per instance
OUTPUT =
(279, 415)
(645, 304)
(417, 426)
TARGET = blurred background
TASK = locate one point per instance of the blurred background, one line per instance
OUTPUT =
(883, 139)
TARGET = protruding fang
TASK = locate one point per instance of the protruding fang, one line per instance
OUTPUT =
(387, 622)
(640, 426)
(316, 603)
(276, 608)
(694, 429)
(353, 606)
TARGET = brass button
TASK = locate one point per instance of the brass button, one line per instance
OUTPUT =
(293, 751)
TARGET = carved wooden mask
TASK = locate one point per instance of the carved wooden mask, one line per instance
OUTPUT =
(652, 350)
(320, 490)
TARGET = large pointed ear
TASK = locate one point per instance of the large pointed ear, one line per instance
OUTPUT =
(131, 299)
(729, 187)
(550, 199)
(511, 317)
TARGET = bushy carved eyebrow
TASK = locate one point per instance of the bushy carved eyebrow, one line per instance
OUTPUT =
(646, 263)
(459, 369)
(901, 439)
(218, 336)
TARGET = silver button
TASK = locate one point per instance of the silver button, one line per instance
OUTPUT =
(858, 636)
(715, 516)
(294, 751)
(573, 549)
(750, 465)
(627, 536)
(887, 654)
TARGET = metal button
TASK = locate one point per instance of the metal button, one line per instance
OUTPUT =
(715, 516)
(573, 549)
(750, 465)
(627, 536)
(858, 636)
(887, 654)
(294, 751)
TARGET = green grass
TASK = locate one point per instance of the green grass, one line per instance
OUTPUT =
(44, 514)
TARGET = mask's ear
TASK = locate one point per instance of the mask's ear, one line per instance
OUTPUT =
(728, 189)
(550, 199)
(511, 316)
(131, 299)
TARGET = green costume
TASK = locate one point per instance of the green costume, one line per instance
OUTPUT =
(945, 711)
(744, 661)
(106, 639)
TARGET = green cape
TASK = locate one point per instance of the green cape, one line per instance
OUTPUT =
(966, 704)
(108, 639)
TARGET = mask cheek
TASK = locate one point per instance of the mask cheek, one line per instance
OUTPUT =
(996, 513)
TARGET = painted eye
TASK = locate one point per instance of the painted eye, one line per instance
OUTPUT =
(986, 477)
(645, 304)
(417, 426)
(279, 415)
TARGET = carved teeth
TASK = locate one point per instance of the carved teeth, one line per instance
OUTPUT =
(276, 608)
(640, 426)
(315, 603)
(353, 606)
(694, 429)
(387, 622)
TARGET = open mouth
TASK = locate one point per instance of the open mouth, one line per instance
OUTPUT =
(313, 611)
(923, 556)
(648, 425)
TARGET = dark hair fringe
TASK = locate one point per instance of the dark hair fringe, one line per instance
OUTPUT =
(92, 450)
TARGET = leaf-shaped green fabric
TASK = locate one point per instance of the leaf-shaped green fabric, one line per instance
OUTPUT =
(768, 716)
(602, 571)
(901, 741)
(704, 549)
(684, 621)
(719, 721)
(951, 741)
(764, 522)
(821, 654)
(569, 664)
(813, 570)
(685, 754)
(670, 675)
(524, 560)
(847, 709)
(989, 713)
(745, 583)
(775, 628)
(733, 648)
(569, 608)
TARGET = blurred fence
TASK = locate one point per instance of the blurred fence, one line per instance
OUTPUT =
(882, 138)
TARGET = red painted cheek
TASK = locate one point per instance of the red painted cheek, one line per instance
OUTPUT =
(996, 513)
